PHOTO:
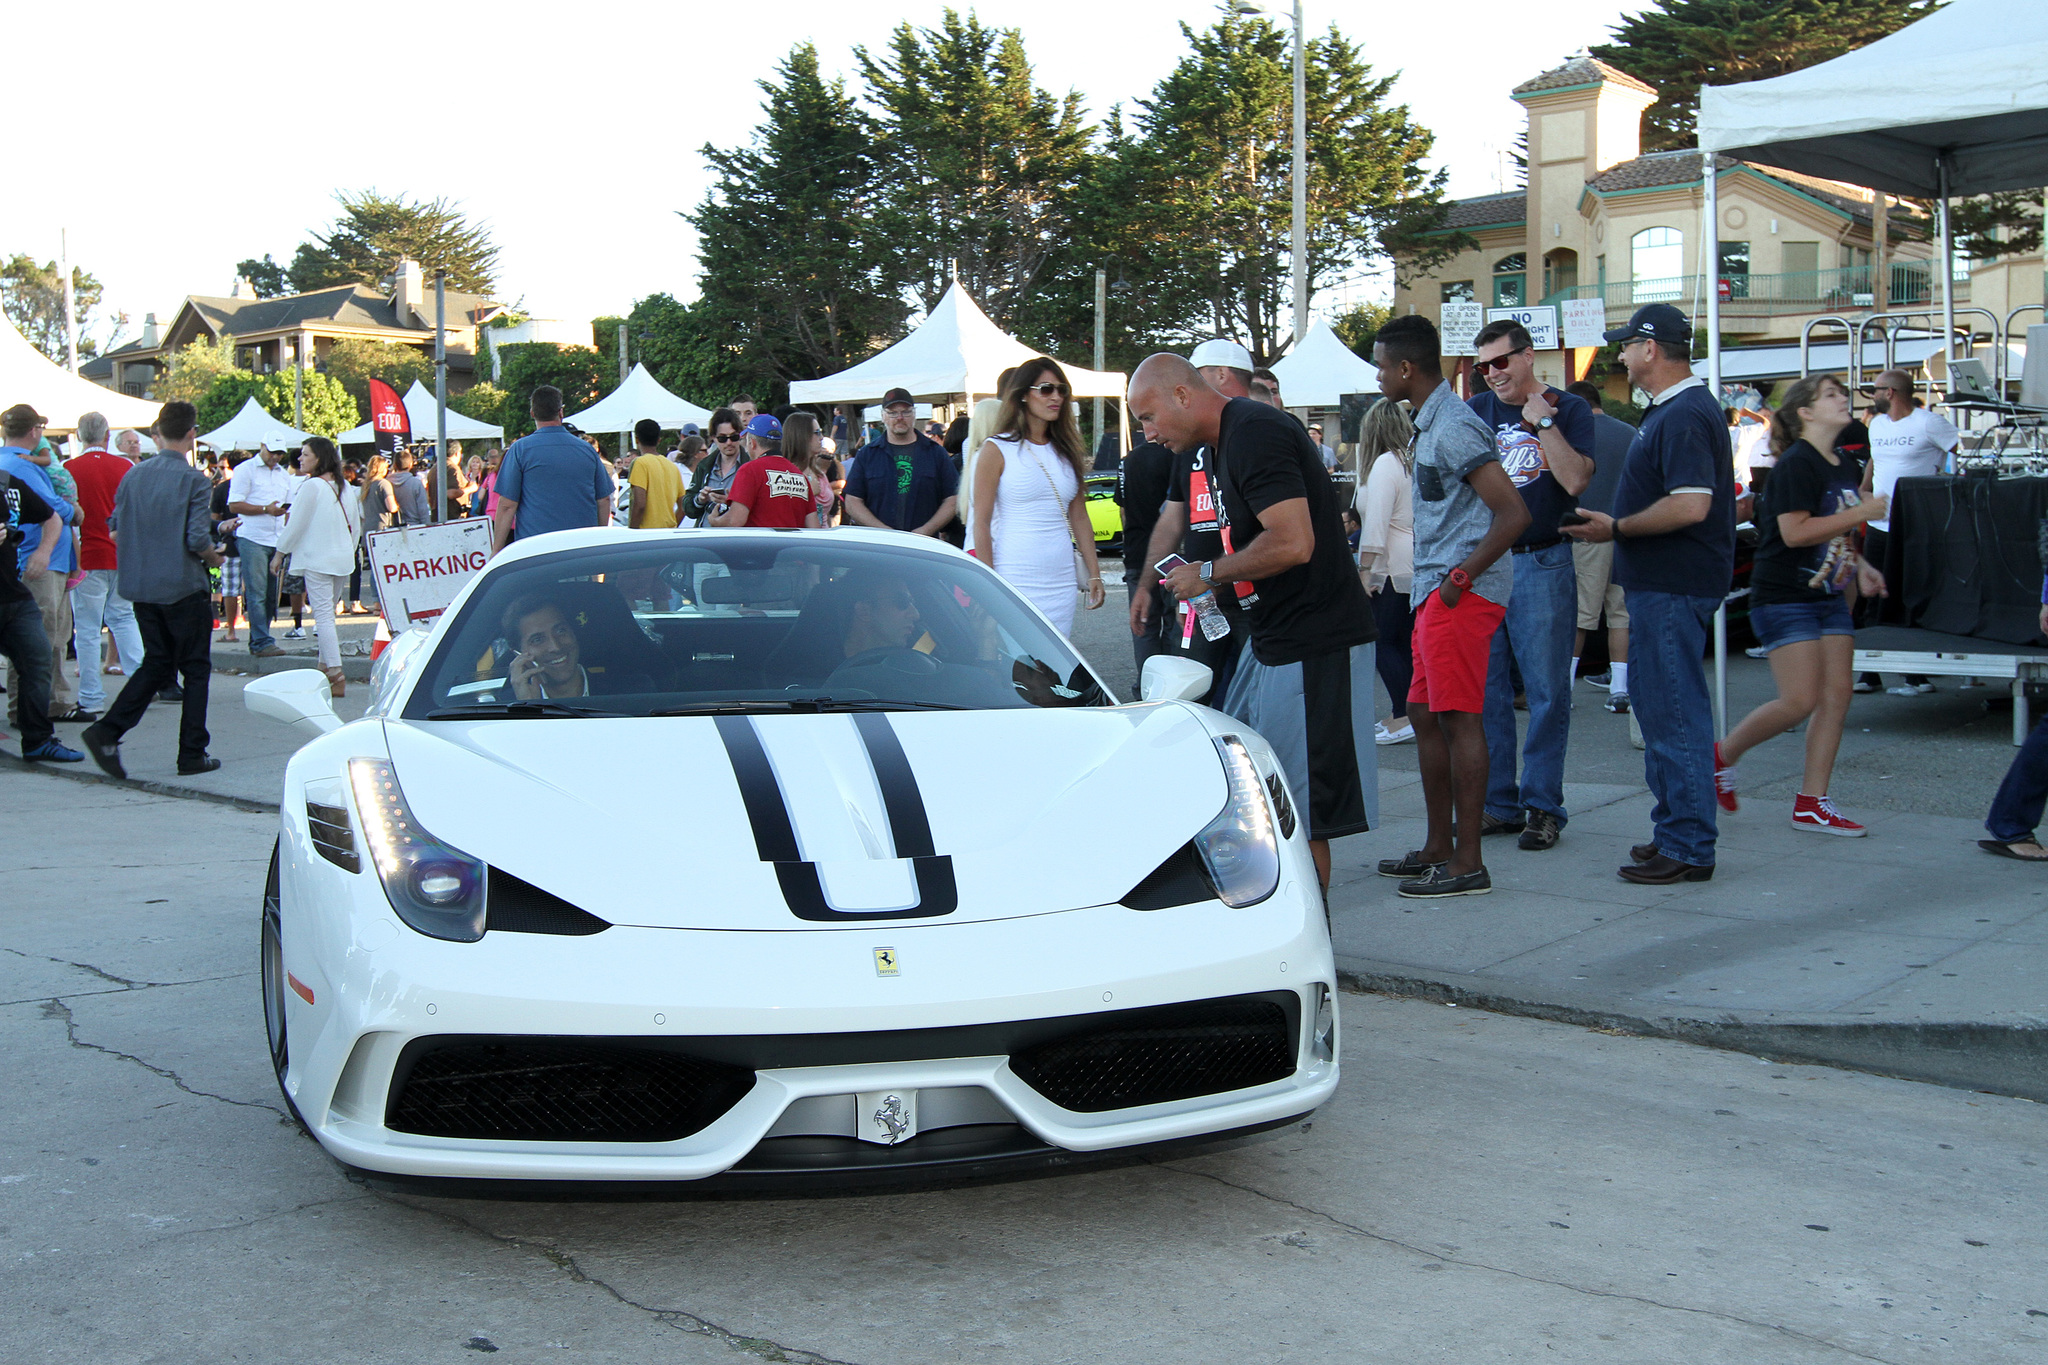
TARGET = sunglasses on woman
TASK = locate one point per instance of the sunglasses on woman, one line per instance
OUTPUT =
(1047, 390)
(1499, 362)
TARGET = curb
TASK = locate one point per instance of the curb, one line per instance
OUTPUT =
(83, 773)
(354, 667)
(1998, 1059)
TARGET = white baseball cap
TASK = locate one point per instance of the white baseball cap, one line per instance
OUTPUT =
(1221, 354)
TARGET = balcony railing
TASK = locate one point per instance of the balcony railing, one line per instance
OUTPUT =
(1799, 291)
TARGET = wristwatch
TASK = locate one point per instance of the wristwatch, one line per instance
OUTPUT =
(1460, 580)
(1208, 567)
(1546, 423)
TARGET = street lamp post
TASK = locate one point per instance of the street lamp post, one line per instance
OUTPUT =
(1300, 233)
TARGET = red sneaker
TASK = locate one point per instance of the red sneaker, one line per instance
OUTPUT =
(1818, 814)
(1724, 782)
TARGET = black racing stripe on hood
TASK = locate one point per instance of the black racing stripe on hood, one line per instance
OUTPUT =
(909, 826)
(774, 836)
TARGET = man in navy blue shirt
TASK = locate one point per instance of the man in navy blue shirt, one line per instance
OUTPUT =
(549, 481)
(1544, 437)
(905, 481)
(1673, 528)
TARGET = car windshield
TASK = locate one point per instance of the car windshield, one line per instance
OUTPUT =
(712, 623)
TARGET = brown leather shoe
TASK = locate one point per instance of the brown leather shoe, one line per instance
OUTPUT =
(274, 652)
(1665, 871)
(1642, 853)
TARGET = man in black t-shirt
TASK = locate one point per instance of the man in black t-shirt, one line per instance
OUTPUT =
(1141, 483)
(1306, 682)
(22, 638)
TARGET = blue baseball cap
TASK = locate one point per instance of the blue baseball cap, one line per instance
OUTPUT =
(1658, 321)
(764, 428)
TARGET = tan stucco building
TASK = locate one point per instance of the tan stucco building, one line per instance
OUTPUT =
(1602, 219)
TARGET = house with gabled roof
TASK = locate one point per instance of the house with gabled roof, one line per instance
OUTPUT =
(269, 332)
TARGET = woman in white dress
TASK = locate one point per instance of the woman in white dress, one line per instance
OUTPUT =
(1029, 518)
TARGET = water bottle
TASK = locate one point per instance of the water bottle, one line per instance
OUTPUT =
(1215, 625)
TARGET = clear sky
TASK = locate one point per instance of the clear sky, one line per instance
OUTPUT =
(175, 140)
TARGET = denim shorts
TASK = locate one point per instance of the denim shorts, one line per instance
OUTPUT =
(1788, 623)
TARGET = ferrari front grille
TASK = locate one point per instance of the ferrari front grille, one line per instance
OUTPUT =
(559, 1090)
(1176, 1052)
(334, 838)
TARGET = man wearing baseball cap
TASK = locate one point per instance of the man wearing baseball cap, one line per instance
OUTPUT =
(905, 481)
(25, 573)
(768, 490)
(1673, 528)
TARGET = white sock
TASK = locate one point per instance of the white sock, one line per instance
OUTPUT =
(1619, 687)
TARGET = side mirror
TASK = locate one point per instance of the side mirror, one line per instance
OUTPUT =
(1169, 679)
(302, 698)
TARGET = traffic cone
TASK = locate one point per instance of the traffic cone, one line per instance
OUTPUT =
(381, 639)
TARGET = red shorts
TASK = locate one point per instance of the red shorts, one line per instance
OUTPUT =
(1452, 646)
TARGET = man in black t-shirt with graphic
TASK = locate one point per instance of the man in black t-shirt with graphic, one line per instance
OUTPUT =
(22, 639)
(1305, 683)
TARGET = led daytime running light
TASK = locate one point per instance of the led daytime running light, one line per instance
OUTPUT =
(1241, 847)
(436, 889)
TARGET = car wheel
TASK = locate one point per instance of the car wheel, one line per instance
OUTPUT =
(273, 978)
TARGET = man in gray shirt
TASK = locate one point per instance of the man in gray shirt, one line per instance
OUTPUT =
(163, 520)
(1467, 514)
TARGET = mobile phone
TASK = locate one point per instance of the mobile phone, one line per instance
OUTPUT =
(1169, 564)
(1573, 519)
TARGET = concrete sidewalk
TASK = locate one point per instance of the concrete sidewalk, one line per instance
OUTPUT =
(1910, 951)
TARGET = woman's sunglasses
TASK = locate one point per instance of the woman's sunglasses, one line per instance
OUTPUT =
(1499, 362)
(1047, 389)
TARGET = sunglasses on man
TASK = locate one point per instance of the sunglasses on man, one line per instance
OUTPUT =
(726, 438)
(1499, 362)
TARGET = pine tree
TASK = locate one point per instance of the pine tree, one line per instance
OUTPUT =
(375, 230)
(790, 256)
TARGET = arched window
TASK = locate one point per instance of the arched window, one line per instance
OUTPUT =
(1510, 281)
(1657, 263)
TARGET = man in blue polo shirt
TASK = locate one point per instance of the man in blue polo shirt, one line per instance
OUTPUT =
(1673, 528)
(905, 481)
(549, 481)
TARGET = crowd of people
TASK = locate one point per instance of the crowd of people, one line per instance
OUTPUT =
(1488, 539)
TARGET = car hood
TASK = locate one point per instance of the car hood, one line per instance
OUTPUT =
(794, 822)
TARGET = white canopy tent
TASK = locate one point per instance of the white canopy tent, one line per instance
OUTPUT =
(640, 396)
(253, 427)
(419, 411)
(957, 351)
(28, 376)
(1972, 119)
(1321, 369)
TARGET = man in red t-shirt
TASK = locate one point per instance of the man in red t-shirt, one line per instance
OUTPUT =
(768, 490)
(94, 601)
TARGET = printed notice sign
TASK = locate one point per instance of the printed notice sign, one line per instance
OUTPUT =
(1460, 322)
(1540, 319)
(1584, 320)
(419, 569)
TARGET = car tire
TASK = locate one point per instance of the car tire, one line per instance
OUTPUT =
(272, 974)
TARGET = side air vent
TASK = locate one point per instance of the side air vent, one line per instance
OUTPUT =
(512, 906)
(1180, 880)
(1282, 807)
(333, 837)
(557, 1090)
(1174, 1052)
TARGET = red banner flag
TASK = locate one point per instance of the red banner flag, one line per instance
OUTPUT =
(388, 417)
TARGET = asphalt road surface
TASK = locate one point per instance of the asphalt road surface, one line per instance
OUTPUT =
(1482, 1189)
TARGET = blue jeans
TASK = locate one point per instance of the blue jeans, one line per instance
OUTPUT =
(1667, 688)
(96, 603)
(2016, 810)
(259, 593)
(1542, 612)
(24, 645)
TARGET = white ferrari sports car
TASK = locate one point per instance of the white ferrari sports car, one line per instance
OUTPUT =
(767, 854)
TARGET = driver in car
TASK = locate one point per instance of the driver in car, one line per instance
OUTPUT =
(549, 663)
(883, 617)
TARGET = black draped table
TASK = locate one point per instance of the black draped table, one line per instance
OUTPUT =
(1965, 557)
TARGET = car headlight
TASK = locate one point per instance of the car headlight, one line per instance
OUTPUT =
(436, 889)
(1240, 847)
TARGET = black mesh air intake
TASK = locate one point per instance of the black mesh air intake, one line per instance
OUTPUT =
(512, 906)
(334, 838)
(1172, 1053)
(564, 1090)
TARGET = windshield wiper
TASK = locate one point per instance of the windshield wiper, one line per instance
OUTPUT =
(515, 710)
(806, 705)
